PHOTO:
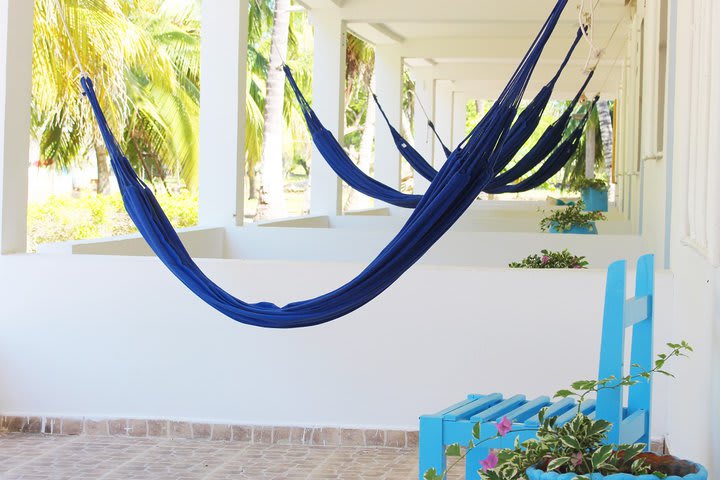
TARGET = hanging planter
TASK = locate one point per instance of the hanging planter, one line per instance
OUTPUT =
(672, 467)
(588, 229)
(594, 193)
(572, 219)
(595, 200)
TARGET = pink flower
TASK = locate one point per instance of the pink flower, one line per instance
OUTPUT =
(576, 459)
(545, 259)
(490, 462)
(504, 426)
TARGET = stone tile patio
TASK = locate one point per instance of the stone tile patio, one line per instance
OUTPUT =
(44, 457)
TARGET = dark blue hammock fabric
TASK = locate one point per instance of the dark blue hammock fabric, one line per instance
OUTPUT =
(552, 165)
(521, 131)
(457, 185)
(550, 140)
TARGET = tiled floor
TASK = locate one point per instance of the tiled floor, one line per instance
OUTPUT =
(37, 457)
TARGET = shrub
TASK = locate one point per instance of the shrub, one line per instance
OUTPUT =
(548, 259)
(63, 218)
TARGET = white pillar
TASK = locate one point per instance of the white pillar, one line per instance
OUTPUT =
(459, 124)
(222, 112)
(388, 80)
(16, 34)
(329, 104)
(424, 139)
(444, 119)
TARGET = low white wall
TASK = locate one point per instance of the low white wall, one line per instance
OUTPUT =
(104, 336)
(200, 242)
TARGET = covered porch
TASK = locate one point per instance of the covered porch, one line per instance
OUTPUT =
(98, 357)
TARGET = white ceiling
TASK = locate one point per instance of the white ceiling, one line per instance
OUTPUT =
(466, 33)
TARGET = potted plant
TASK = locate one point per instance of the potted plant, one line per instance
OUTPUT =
(572, 219)
(548, 259)
(577, 450)
(594, 193)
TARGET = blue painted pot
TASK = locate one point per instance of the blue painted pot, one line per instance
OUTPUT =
(595, 200)
(592, 230)
(535, 474)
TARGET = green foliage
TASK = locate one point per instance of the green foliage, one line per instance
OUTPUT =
(572, 216)
(575, 447)
(575, 168)
(583, 182)
(65, 218)
(578, 446)
(549, 259)
(144, 57)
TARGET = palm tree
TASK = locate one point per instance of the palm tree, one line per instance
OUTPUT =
(62, 121)
(272, 172)
(260, 22)
(144, 57)
(359, 110)
(165, 110)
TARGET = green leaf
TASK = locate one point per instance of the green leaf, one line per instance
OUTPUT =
(453, 450)
(598, 427)
(476, 431)
(557, 463)
(584, 384)
(601, 456)
(431, 474)
(564, 394)
(571, 442)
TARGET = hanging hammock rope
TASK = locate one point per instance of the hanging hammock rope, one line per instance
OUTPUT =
(522, 129)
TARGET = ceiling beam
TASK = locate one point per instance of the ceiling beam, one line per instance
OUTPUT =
(384, 11)
(483, 47)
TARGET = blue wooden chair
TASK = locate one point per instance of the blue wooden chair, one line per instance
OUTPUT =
(631, 422)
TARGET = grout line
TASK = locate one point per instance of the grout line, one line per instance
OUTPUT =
(70, 441)
(133, 459)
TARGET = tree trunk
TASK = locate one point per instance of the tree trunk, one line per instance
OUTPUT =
(252, 184)
(356, 200)
(272, 173)
(103, 169)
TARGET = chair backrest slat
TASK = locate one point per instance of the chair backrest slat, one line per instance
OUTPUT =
(621, 313)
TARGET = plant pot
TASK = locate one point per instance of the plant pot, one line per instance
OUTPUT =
(675, 468)
(591, 230)
(595, 200)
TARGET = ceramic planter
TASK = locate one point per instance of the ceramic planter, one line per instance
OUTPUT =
(595, 200)
(591, 230)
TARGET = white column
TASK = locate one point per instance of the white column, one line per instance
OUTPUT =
(424, 139)
(222, 112)
(329, 104)
(388, 80)
(444, 119)
(16, 32)
(459, 124)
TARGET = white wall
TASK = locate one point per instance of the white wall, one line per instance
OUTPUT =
(685, 177)
(481, 238)
(131, 341)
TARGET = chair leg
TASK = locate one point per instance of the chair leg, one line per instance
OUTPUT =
(432, 448)
(472, 461)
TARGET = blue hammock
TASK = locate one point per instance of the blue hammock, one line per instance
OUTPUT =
(548, 142)
(455, 188)
(523, 128)
(557, 159)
